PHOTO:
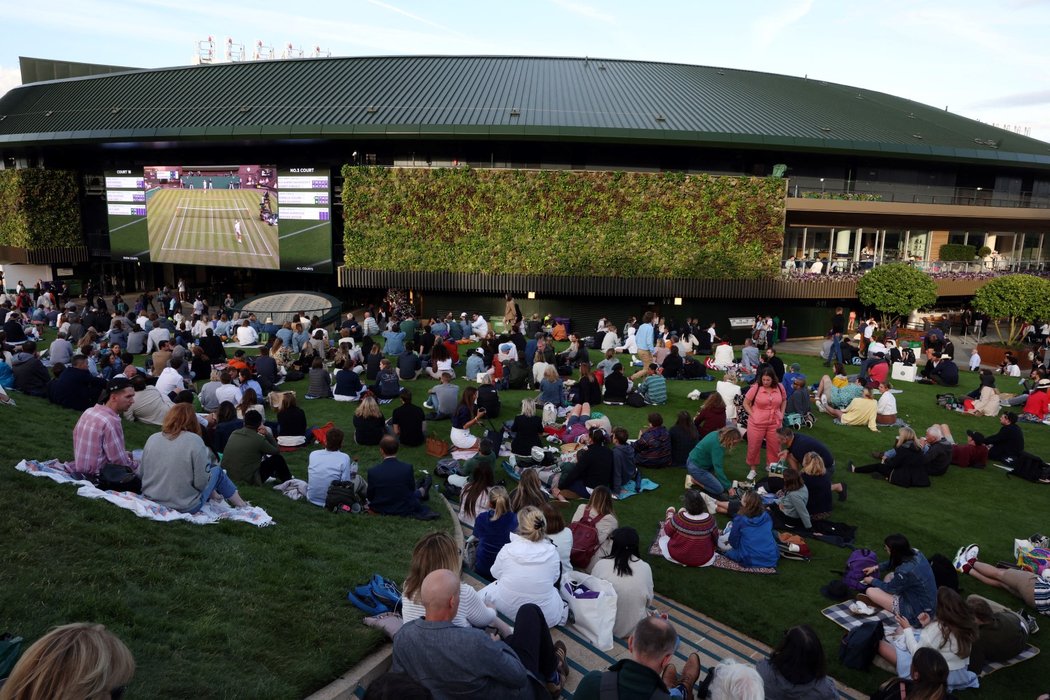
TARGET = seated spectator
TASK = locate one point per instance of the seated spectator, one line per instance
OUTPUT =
(689, 535)
(791, 509)
(292, 428)
(466, 416)
(1007, 444)
(266, 370)
(213, 347)
(395, 341)
(1001, 633)
(936, 451)
(348, 385)
(137, 338)
(798, 403)
(907, 586)
(251, 454)
(442, 398)
(328, 465)
(209, 401)
(942, 371)
(730, 680)
(653, 388)
(624, 468)
(150, 406)
(488, 398)
(797, 668)
(79, 660)
(227, 391)
(320, 384)
(75, 388)
(632, 579)
(673, 366)
(31, 377)
(98, 438)
(387, 385)
(492, 528)
(61, 350)
(392, 489)
(249, 402)
(652, 449)
(593, 468)
(434, 551)
(246, 335)
(474, 498)
(616, 386)
(527, 432)
(649, 671)
(526, 571)
(453, 661)
(711, 416)
(177, 470)
(226, 421)
(440, 361)
(723, 358)
(552, 388)
(750, 540)
(409, 422)
(599, 512)
(369, 424)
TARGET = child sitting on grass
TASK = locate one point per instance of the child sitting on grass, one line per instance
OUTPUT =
(624, 468)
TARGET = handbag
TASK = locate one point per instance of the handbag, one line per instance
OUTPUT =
(436, 447)
(592, 602)
(470, 553)
(117, 477)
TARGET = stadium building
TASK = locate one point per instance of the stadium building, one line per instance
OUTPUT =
(232, 176)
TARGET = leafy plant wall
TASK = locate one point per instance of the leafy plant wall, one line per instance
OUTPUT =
(612, 224)
(39, 209)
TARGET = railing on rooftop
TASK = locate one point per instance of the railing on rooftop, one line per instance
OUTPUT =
(960, 196)
(851, 267)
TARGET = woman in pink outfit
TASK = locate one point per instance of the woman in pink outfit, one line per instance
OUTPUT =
(764, 403)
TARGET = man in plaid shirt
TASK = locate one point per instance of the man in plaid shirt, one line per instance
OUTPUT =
(98, 438)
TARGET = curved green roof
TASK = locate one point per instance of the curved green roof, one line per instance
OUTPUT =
(481, 97)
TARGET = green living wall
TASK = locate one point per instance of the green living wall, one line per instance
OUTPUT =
(611, 224)
(39, 209)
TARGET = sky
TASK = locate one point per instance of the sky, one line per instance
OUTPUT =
(987, 60)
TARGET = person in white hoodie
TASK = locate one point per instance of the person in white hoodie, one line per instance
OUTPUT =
(526, 571)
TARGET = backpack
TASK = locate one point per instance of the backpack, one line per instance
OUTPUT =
(344, 495)
(635, 400)
(944, 572)
(516, 374)
(489, 398)
(584, 540)
(859, 559)
(693, 369)
(860, 644)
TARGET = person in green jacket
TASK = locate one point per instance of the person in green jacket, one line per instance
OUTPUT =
(649, 672)
(705, 463)
(251, 454)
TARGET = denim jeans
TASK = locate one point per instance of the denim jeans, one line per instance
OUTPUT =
(707, 480)
(836, 347)
(218, 481)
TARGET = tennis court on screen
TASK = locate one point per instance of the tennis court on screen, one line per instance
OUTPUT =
(199, 227)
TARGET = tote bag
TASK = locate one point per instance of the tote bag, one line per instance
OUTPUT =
(592, 602)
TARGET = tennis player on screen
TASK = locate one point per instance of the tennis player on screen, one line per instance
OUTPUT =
(237, 230)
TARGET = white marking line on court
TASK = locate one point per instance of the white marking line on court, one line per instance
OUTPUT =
(257, 225)
(213, 251)
(178, 231)
(132, 223)
(308, 228)
(167, 234)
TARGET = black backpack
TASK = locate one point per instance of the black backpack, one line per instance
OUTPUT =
(860, 645)
(693, 369)
(344, 495)
(944, 572)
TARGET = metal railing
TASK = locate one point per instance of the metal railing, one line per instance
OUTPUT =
(960, 196)
(840, 267)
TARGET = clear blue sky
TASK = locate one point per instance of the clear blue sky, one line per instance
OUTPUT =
(983, 59)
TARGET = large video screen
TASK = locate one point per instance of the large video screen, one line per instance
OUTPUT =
(248, 216)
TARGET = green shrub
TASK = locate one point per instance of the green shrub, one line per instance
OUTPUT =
(39, 209)
(1014, 298)
(614, 224)
(896, 290)
(951, 252)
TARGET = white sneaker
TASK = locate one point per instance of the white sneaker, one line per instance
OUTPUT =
(965, 558)
(751, 475)
(822, 404)
(712, 503)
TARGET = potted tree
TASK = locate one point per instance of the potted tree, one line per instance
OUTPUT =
(1009, 301)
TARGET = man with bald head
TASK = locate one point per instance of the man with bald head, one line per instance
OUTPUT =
(465, 662)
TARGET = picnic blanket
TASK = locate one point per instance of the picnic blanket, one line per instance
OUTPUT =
(841, 616)
(141, 506)
(628, 489)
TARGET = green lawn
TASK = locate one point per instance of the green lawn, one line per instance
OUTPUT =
(233, 610)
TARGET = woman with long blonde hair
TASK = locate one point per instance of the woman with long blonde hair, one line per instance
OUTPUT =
(369, 425)
(434, 551)
(177, 470)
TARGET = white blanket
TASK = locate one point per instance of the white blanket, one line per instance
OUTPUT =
(212, 512)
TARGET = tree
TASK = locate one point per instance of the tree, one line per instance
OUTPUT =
(896, 290)
(1014, 297)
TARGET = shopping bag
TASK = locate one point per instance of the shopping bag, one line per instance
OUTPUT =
(593, 604)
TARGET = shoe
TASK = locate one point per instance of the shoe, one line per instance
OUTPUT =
(690, 674)
(385, 591)
(1029, 621)
(669, 676)
(877, 455)
(367, 603)
(842, 493)
(425, 483)
(965, 558)
(712, 504)
(563, 665)
(852, 467)
(751, 475)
